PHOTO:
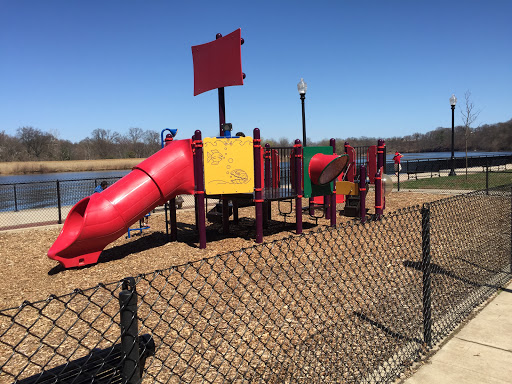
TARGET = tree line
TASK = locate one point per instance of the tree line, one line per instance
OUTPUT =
(32, 144)
(487, 137)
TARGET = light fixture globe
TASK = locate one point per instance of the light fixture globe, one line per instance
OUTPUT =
(453, 101)
(302, 86)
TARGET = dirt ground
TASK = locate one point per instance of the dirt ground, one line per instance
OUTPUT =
(28, 274)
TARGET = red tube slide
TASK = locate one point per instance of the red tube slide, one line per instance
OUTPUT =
(97, 220)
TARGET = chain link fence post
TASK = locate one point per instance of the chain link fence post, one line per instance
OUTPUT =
(59, 205)
(487, 176)
(15, 199)
(129, 332)
(426, 269)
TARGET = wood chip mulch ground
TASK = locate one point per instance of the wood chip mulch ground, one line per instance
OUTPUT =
(28, 274)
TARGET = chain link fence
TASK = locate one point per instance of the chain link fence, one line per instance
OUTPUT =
(355, 303)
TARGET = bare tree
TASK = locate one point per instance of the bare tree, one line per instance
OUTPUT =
(37, 143)
(469, 115)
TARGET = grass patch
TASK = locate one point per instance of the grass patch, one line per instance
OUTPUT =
(28, 167)
(474, 181)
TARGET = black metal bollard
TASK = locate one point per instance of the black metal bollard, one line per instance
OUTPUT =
(129, 332)
(426, 268)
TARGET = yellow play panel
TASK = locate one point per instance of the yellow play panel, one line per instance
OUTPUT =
(228, 165)
(347, 188)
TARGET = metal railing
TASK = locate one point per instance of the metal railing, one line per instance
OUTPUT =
(32, 204)
(355, 303)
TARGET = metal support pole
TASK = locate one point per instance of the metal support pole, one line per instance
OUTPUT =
(452, 171)
(174, 224)
(222, 103)
(166, 207)
(59, 205)
(129, 332)
(426, 268)
(258, 188)
(199, 192)
(225, 215)
(298, 186)
(487, 176)
(302, 97)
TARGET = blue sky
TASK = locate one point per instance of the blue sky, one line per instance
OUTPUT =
(373, 68)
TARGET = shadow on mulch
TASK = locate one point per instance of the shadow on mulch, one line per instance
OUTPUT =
(187, 234)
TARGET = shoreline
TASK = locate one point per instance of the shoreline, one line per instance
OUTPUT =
(16, 168)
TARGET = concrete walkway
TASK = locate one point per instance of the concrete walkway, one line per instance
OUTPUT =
(480, 352)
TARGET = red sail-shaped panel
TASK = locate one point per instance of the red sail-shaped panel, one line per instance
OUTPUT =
(218, 63)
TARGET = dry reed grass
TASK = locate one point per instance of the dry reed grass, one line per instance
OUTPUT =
(25, 167)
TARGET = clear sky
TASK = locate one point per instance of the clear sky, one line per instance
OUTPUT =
(373, 68)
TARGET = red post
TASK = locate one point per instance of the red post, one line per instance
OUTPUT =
(199, 190)
(298, 186)
(258, 188)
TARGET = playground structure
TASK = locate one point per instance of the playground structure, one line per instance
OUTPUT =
(223, 168)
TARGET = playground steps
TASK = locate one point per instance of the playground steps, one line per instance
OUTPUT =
(352, 206)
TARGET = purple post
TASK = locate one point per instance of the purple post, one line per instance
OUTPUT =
(258, 190)
(380, 153)
(381, 164)
(362, 193)
(378, 194)
(333, 196)
(298, 186)
(199, 192)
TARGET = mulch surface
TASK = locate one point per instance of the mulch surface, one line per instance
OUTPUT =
(28, 274)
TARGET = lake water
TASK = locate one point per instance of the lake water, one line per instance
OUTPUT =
(42, 190)
(112, 174)
(61, 176)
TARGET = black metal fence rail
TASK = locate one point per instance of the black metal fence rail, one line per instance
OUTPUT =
(47, 202)
(356, 303)
(434, 166)
(42, 194)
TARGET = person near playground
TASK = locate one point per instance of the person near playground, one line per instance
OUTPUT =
(101, 187)
(396, 159)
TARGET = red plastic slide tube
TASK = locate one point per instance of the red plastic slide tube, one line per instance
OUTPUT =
(97, 220)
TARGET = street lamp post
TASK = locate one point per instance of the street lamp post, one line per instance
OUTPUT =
(453, 101)
(302, 88)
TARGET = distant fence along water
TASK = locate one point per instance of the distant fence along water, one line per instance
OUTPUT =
(441, 164)
(355, 303)
(48, 202)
